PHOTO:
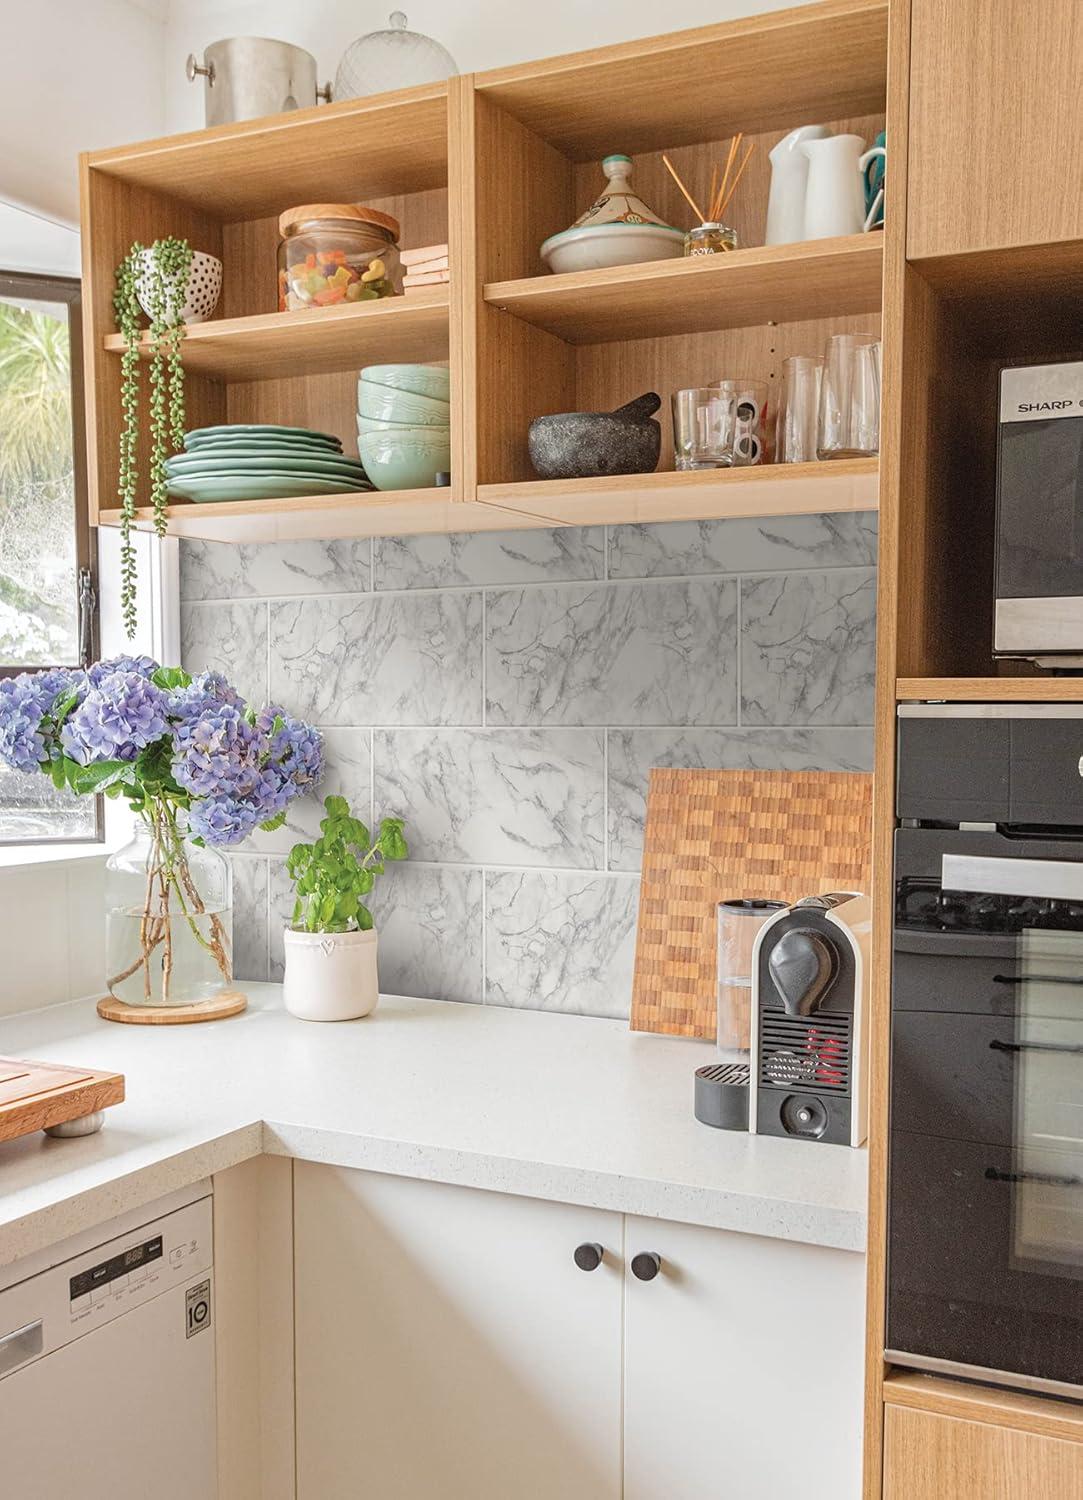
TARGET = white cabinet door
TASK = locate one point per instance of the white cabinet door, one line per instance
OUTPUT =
(448, 1346)
(743, 1367)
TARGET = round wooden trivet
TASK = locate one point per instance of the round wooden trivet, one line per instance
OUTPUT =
(228, 1003)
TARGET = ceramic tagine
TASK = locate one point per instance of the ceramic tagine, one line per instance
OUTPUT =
(618, 229)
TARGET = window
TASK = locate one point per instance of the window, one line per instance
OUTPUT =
(47, 615)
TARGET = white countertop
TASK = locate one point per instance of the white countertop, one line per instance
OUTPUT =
(548, 1106)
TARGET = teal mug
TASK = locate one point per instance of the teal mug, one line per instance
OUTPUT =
(873, 168)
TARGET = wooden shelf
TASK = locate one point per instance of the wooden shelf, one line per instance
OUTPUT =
(990, 689)
(413, 328)
(821, 62)
(361, 149)
(714, 494)
(767, 284)
(329, 517)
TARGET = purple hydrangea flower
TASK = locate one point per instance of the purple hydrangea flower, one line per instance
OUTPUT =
(222, 819)
(142, 666)
(296, 749)
(204, 692)
(217, 754)
(122, 714)
(24, 702)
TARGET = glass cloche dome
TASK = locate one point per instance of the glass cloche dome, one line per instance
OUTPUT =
(391, 59)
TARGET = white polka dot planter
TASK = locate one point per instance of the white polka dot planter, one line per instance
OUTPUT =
(201, 294)
(330, 976)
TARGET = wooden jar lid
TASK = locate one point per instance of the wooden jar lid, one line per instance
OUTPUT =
(306, 212)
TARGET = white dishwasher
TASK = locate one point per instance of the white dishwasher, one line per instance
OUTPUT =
(107, 1366)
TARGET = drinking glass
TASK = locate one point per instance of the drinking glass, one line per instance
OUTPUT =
(748, 402)
(798, 409)
(702, 428)
(850, 397)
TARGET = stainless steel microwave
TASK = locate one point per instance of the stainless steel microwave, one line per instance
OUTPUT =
(1039, 515)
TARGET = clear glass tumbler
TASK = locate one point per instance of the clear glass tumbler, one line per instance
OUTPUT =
(798, 409)
(702, 428)
(748, 399)
(849, 424)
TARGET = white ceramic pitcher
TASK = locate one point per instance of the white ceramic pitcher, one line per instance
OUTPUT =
(834, 194)
(789, 179)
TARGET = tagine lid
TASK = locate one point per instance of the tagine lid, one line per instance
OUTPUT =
(619, 203)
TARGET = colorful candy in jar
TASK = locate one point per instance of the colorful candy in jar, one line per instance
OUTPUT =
(335, 253)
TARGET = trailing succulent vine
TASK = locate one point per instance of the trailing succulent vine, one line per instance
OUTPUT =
(161, 275)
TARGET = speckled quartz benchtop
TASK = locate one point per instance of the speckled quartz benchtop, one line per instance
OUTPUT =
(547, 1106)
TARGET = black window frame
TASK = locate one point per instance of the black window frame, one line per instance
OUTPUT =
(39, 287)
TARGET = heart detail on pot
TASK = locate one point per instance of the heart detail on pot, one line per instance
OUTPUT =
(328, 946)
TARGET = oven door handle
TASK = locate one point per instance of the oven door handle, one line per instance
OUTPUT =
(1045, 879)
(996, 1045)
(1048, 1179)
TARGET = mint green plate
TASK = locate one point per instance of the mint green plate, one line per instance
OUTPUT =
(290, 446)
(260, 487)
(195, 465)
(200, 435)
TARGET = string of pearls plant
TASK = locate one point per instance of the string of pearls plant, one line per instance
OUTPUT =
(161, 275)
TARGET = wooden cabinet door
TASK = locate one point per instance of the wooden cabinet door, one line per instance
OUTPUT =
(996, 124)
(928, 1454)
(447, 1345)
(743, 1367)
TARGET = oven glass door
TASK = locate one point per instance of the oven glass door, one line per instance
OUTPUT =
(986, 1195)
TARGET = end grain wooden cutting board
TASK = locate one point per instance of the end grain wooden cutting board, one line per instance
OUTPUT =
(35, 1095)
(722, 835)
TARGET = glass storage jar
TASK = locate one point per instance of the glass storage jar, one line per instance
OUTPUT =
(331, 253)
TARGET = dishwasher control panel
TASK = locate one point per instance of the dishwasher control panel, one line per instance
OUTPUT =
(92, 1289)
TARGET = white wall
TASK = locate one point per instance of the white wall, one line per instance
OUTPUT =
(479, 34)
(74, 75)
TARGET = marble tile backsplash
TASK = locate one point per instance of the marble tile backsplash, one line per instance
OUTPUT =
(508, 693)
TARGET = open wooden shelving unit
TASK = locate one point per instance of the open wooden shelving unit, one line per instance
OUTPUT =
(494, 163)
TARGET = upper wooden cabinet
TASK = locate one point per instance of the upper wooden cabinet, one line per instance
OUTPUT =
(996, 125)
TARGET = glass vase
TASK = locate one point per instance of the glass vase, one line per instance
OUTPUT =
(169, 916)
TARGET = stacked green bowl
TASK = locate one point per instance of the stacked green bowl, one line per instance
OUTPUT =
(404, 425)
(262, 462)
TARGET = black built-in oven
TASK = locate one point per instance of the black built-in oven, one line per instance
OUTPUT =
(985, 1199)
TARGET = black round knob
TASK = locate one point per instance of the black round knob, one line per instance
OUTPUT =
(588, 1257)
(646, 1265)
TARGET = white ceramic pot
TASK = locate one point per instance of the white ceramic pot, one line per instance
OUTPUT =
(201, 294)
(330, 976)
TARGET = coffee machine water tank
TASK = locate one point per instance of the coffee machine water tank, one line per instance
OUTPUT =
(810, 969)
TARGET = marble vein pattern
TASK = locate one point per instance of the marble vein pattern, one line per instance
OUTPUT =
(249, 916)
(560, 942)
(489, 558)
(230, 638)
(220, 570)
(744, 545)
(496, 796)
(808, 647)
(347, 773)
(429, 920)
(633, 752)
(364, 659)
(637, 653)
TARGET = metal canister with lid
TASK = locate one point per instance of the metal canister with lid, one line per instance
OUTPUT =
(334, 253)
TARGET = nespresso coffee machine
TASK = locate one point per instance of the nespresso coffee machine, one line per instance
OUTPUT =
(805, 1074)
